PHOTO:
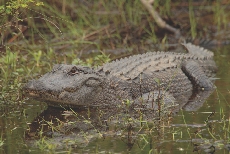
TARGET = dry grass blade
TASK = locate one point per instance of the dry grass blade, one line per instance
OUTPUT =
(160, 22)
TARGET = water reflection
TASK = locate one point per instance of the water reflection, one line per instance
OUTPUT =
(205, 119)
(125, 123)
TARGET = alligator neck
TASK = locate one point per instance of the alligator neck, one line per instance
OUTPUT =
(114, 91)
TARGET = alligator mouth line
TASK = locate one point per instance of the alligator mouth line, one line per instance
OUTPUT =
(32, 93)
(43, 96)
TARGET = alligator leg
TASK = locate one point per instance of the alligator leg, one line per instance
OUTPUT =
(196, 74)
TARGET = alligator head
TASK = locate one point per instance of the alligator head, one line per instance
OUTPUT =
(66, 84)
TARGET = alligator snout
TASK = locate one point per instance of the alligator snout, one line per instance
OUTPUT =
(33, 88)
(39, 89)
(33, 85)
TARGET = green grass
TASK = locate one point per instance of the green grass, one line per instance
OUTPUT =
(58, 32)
(98, 25)
(1, 141)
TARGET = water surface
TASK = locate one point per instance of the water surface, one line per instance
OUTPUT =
(206, 129)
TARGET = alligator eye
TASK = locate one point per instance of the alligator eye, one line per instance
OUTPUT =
(73, 71)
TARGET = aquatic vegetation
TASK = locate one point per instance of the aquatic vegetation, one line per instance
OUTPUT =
(1, 141)
(36, 35)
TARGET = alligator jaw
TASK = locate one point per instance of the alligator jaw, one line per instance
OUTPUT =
(32, 93)
(29, 89)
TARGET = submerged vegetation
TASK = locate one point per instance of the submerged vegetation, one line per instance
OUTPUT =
(35, 35)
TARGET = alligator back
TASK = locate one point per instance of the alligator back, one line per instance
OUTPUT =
(133, 66)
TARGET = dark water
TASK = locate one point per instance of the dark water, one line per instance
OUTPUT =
(206, 129)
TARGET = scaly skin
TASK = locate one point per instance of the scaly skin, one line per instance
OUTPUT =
(129, 78)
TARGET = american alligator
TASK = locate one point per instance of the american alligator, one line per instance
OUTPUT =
(132, 78)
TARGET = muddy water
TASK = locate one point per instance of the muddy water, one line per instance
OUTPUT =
(204, 130)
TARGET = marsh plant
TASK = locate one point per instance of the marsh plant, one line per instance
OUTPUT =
(36, 35)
